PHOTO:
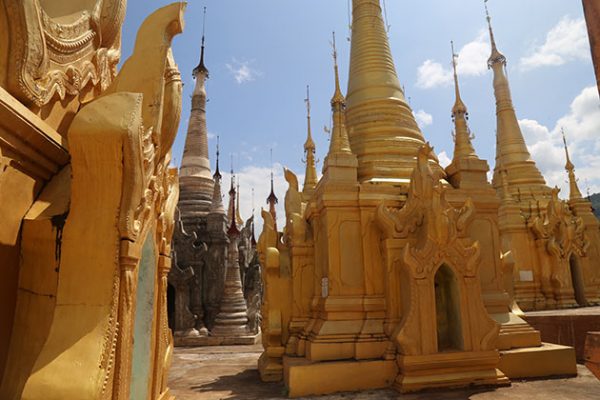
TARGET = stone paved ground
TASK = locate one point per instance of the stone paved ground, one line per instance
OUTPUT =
(229, 372)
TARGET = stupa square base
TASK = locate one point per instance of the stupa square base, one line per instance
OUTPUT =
(566, 327)
(536, 362)
(192, 341)
(304, 378)
(449, 370)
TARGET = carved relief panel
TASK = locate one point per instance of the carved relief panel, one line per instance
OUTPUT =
(58, 48)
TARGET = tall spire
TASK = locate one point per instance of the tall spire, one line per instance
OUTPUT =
(196, 183)
(511, 150)
(339, 142)
(463, 148)
(340, 165)
(238, 217)
(201, 68)
(496, 57)
(574, 192)
(217, 199)
(231, 207)
(310, 176)
(382, 129)
(272, 199)
(233, 224)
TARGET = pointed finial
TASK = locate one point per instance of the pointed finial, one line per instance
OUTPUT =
(238, 216)
(309, 145)
(271, 154)
(569, 166)
(217, 174)
(338, 98)
(574, 192)
(272, 199)
(232, 175)
(307, 101)
(496, 56)
(459, 106)
(339, 142)
(201, 68)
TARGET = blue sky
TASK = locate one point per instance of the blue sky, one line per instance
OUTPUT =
(262, 53)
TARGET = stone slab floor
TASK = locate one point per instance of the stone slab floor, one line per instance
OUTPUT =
(229, 372)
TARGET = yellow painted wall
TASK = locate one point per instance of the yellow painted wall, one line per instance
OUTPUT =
(17, 192)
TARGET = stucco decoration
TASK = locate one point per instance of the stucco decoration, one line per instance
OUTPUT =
(59, 48)
(123, 196)
(562, 232)
(438, 243)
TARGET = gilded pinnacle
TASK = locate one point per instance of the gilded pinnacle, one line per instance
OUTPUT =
(310, 176)
(511, 150)
(463, 148)
(496, 57)
(574, 192)
(338, 97)
(459, 106)
(309, 144)
(339, 137)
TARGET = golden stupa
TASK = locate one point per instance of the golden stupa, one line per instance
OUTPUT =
(391, 271)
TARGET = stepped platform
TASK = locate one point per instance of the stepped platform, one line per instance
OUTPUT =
(568, 327)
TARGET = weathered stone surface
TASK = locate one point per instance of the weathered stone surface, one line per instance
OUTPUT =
(216, 299)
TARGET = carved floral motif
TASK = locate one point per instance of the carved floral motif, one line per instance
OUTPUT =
(562, 232)
(435, 234)
(49, 58)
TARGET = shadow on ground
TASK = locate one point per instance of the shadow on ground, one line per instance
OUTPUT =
(245, 385)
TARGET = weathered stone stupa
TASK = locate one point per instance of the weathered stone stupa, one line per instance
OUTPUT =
(205, 250)
(232, 319)
(391, 273)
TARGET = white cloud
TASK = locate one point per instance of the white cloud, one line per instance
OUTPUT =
(242, 71)
(581, 125)
(472, 61)
(472, 58)
(423, 118)
(211, 136)
(432, 74)
(444, 159)
(567, 41)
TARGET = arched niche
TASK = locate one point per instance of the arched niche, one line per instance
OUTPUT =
(448, 311)
(577, 280)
